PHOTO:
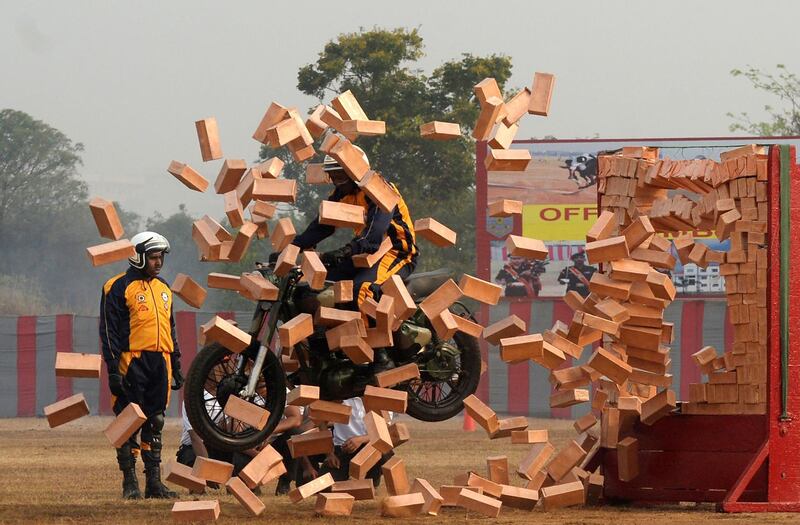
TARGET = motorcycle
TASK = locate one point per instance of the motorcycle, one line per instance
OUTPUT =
(449, 370)
(582, 170)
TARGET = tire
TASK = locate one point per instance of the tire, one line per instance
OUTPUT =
(467, 384)
(216, 358)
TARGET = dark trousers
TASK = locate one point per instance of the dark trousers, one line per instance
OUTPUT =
(367, 281)
(281, 444)
(147, 381)
(146, 377)
(186, 455)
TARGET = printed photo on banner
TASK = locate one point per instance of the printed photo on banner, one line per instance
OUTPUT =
(559, 196)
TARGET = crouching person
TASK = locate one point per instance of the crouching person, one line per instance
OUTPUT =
(290, 425)
(347, 441)
(193, 446)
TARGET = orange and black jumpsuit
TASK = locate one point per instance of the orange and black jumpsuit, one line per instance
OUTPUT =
(397, 225)
(137, 331)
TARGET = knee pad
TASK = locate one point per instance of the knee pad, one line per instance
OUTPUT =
(156, 422)
(151, 430)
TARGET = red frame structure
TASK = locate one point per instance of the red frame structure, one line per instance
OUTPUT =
(745, 463)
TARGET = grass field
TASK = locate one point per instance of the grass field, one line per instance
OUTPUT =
(69, 475)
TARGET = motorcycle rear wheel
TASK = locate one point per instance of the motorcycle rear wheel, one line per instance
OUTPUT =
(210, 382)
(434, 399)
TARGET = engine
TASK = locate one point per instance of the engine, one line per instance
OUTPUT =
(339, 381)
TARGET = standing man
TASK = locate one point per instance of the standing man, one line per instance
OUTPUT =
(141, 352)
(519, 277)
(577, 276)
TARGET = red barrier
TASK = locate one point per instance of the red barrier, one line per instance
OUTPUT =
(63, 344)
(26, 365)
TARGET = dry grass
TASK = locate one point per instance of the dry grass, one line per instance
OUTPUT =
(69, 475)
(20, 295)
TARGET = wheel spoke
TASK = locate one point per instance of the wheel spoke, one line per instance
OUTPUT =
(221, 371)
(219, 374)
(418, 389)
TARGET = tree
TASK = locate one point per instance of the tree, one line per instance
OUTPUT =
(37, 168)
(45, 224)
(437, 179)
(184, 258)
(785, 120)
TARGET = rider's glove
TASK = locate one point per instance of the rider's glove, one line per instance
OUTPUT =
(273, 257)
(336, 257)
(177, 376)
(116, 383)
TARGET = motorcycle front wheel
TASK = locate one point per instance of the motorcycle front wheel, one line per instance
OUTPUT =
(211, 381)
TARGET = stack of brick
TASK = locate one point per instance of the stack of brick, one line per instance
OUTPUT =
(624, 316)
(736, 381)
(728, 198)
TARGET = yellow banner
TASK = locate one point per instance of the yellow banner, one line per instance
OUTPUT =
(558, 222)
(568, 222)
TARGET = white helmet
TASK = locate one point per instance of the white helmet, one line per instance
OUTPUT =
(331, 164)
(147, 242)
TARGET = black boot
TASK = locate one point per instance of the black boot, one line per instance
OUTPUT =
(284, 485)
(381, 362)
(153, 488)
(127, 464)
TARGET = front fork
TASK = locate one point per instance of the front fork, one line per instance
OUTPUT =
(250, 390)
(269, 326)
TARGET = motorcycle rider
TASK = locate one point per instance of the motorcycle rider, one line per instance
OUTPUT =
(397, 225)
(139, 346)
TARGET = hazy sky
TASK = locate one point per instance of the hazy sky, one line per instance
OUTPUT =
(128, 79)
